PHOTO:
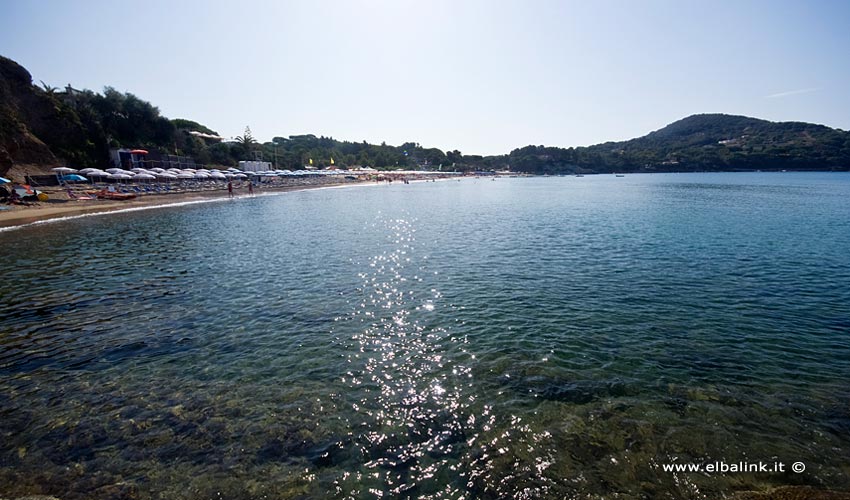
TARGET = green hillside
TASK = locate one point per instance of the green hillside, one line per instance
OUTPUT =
(698, 143)
(47, 126)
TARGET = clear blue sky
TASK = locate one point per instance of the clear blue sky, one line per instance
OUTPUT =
(480, 76)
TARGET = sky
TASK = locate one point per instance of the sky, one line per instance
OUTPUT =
(483, 77)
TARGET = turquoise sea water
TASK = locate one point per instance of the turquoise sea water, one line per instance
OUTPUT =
(516, 338)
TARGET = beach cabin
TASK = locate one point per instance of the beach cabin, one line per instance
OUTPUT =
(255, 166)
(128, 158)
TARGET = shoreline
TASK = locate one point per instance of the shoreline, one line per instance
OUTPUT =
(22, 216)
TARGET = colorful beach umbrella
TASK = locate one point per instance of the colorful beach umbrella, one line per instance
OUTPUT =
(73, 178)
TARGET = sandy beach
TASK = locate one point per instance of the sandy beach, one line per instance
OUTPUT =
(61, 205)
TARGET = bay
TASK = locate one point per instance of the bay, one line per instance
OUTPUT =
(518, 337)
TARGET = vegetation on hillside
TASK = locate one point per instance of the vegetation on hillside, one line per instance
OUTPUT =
(47, 125)
(698, 143)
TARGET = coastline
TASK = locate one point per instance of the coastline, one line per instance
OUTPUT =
(64, 207)
(19, 216)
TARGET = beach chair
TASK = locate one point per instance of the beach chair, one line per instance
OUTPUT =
(74, 196)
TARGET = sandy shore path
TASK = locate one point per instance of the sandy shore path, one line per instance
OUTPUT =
(58, 208)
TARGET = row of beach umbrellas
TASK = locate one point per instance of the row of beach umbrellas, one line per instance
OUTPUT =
(142, 174)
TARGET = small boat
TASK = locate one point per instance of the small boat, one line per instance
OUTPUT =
(619, 175)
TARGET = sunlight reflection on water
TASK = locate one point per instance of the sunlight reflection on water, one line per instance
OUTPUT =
(526, 338)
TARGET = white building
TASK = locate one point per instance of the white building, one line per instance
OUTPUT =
(255, 166)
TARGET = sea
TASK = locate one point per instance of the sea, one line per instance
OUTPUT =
(532, 337)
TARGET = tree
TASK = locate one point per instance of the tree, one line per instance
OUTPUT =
(48, 88)
(454, 156)
(247, 141)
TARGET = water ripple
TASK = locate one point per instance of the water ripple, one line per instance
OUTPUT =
(526, 338)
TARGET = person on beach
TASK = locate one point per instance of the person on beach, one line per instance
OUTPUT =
(15, 199)
(230, 189)
(250, 187)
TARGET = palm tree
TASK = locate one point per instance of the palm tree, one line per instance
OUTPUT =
(47, 88)
(247, 141)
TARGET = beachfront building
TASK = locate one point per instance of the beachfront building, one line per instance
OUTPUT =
(141, 158)
(127, 158)
(255, 166)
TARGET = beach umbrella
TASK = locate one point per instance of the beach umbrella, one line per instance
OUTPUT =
(185, 176)
(144, 176)
(165, 175)
(138, 152)
(4, 180)
(218, 175)
(73, 178)
(121, 176)
(63, 170)
(114, 170)
(240, 176)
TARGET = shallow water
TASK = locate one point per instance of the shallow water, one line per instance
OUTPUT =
(526, 338)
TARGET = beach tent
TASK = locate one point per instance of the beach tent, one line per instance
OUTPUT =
(27, 193)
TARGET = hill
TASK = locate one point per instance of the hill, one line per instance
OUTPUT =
(20, 109)
(699, 143)
(46, 126)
